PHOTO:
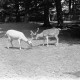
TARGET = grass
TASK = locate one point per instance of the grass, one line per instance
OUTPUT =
(39, 62)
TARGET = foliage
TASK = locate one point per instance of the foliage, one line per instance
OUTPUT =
(16, 10)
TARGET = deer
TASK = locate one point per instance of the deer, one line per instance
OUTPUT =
(53, 32)
(17, 35)
(33, 34)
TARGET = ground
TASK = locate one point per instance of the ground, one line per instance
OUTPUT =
(60, 62)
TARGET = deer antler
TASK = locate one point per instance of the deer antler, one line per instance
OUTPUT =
(37, 30)
(34, 33)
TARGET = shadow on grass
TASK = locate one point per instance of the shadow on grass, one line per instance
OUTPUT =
(70, 37)
(19, 48)
(18, 26)
(77, 73)
(23, 27)
(46, 44)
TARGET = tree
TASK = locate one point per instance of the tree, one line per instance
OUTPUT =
(59, 13)
(17, 11)
(74, 9)
(69, 6)
(46, 13)
(36, 6)
(46, 5)
(27, 6)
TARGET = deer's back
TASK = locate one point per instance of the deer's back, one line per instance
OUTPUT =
(51, 32)
(14, 34)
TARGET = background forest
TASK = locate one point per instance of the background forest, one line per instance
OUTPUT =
(39, 11)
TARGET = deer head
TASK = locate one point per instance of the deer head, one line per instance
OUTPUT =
(33, 34)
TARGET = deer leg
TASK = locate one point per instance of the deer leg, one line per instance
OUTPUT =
(8, 44)
(44, 41)
(19, 43)
(57, 40)
(47, 40)
(10, 41)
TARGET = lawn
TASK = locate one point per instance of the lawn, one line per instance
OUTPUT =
(60, 62)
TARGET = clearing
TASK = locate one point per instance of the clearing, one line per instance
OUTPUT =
(39, 62)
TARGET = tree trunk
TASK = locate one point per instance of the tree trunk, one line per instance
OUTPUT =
(69, 6)
(59, 13)
(27, 4)
(46, 14)
(74, 10)
(17, 11)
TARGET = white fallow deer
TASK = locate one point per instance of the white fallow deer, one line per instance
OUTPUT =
(17, 35)
(53, 32)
